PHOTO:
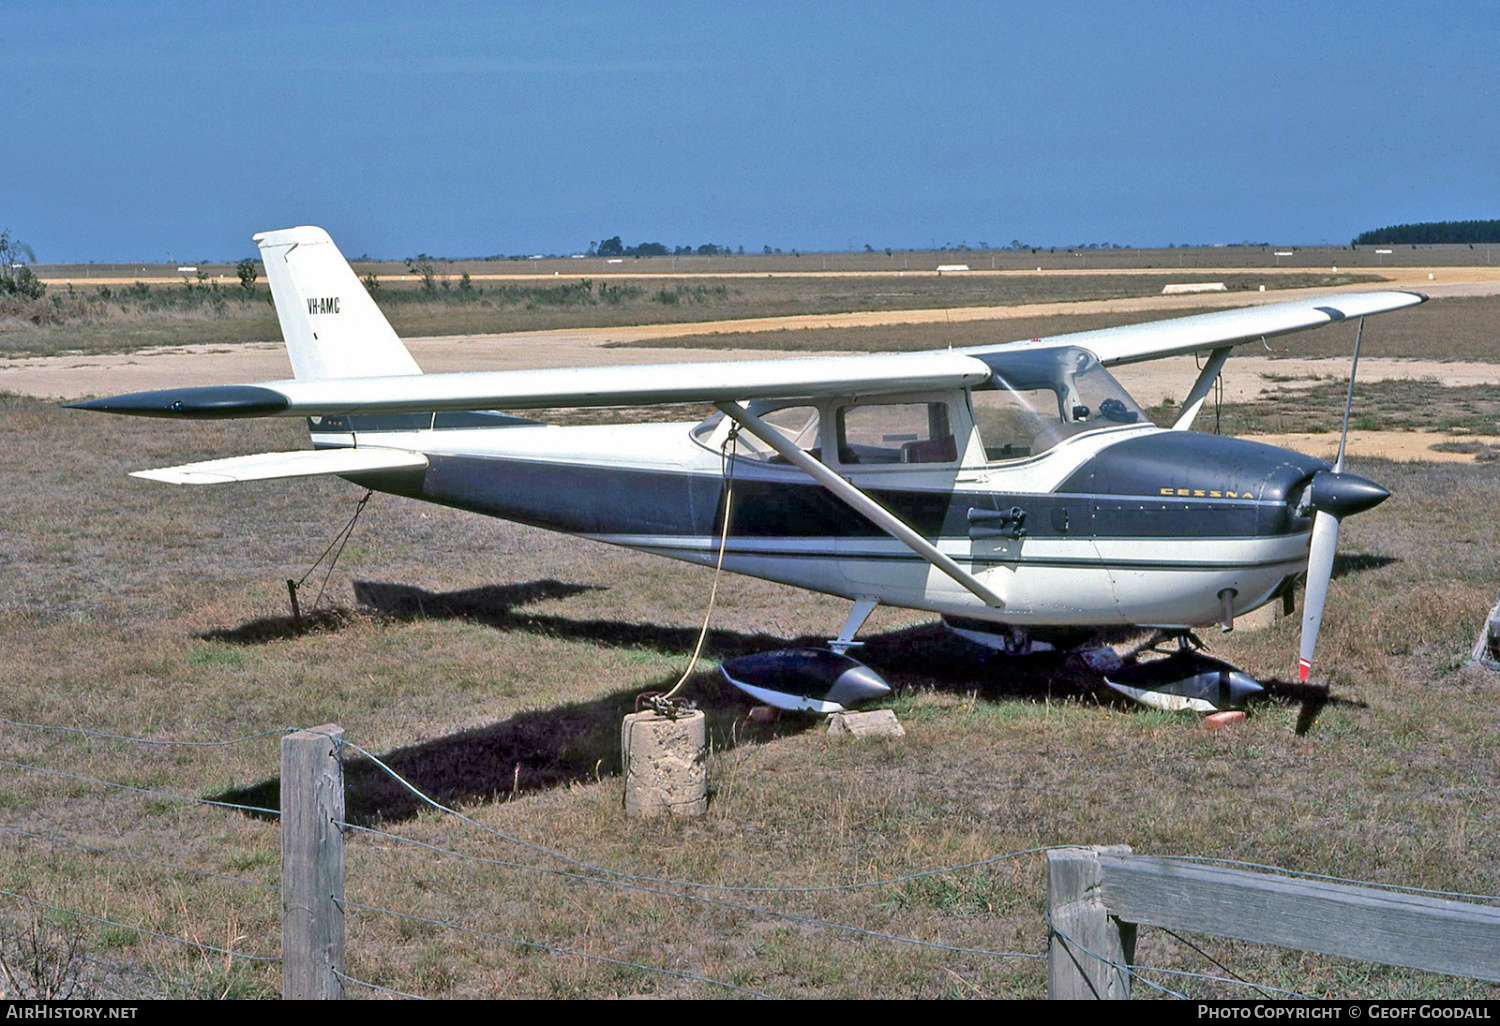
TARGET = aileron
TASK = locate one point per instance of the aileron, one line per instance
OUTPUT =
(1133, 343)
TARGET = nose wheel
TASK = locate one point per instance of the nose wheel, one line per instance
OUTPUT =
(1186, 641)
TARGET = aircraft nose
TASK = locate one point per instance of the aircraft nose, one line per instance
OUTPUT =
(1340, 494)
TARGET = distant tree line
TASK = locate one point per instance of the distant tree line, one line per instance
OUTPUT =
(1430, 232)
(615, 247)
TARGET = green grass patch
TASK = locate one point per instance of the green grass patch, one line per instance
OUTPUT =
(216, 655)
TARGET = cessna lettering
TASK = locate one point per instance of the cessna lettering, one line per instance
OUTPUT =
(1205, 493)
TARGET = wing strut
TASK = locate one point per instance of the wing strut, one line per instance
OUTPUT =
(862, 503)
(1206, 378)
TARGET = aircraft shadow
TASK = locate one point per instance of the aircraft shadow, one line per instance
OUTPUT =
(580, 742)
(925, 656)
(409, 602)
(947, 661)
(267, 629)
(932, 656)
(400, 601)
(493, 606)
(1358, 562)
(1311, 700)
(529, 752)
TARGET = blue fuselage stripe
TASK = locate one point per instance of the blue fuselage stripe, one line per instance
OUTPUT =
(609, 500)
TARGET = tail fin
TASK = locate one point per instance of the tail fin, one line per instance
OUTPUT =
(332, 327)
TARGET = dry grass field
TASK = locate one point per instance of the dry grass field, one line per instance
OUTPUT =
(82, 319)
(491, 663)
(493, 672)
(1463, 328)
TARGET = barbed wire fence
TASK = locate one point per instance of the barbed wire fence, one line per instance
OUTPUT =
(321, 960)
(152, 970)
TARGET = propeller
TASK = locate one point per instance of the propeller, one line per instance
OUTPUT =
(1330, 496)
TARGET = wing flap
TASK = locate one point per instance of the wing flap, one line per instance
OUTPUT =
(265, 466)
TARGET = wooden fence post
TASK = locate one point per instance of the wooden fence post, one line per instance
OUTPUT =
(1079, 920)
(312, 865)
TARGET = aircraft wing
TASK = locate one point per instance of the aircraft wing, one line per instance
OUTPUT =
(791, 379)
(1133, 343)
(567, 386)
(266, 466)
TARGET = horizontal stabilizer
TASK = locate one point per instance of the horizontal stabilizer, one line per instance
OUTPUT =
(265, 466)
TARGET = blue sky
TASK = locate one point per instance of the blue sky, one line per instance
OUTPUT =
(136, 130)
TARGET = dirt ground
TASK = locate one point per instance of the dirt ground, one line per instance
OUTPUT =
(72, 377)
(1401, 446)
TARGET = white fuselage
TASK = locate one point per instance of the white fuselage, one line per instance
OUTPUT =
(659, 488)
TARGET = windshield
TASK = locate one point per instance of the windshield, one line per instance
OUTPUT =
(1038, 398)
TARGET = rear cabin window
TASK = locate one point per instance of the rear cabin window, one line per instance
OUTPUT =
(798, 424)
(886, 433)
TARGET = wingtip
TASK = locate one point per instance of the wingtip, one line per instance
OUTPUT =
(214, 402)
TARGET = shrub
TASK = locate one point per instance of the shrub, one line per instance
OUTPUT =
(16, 279)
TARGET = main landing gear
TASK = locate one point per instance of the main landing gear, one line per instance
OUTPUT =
(814, 680)
(1176, 676)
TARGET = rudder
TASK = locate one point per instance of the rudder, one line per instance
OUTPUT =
(331, 325)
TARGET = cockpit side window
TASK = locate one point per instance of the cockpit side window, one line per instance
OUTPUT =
(878, 433)
(1011, 423)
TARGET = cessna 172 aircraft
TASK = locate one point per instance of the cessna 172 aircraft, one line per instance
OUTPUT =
(1010, 488)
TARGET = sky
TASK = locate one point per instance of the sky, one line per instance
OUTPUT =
(177, 130)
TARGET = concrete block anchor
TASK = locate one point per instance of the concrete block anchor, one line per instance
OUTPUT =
(879, 723)
(1487, 647)
(665, 764)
